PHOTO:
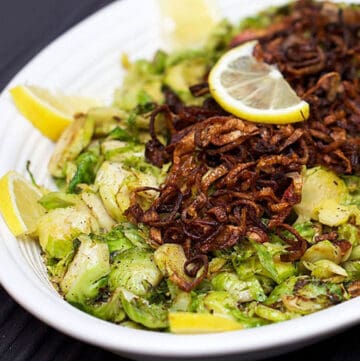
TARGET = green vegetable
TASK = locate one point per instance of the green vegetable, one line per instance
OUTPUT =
(142, 77)
(353, 184)
(116, 240)
(326, 270)
(72, 141)
(96, 206)
(219, 303)
(349, 232)
(106, 119)
(307, 230)
(116, 183)
(312, 295)
(54, 200)
(266, 261)
(135, 270)
(109, 309)
(57, 229)
(31, 175)
(248, 321)
(170, 259)
(180, 75)
(319, 186)
(57, 267)
(322, 250)
(283, 289)
(123, 135)
(86, 167)
(86, 274)
(271, 314)
(353, 269)
(153, 316)
(333, 214)
(242, 291)
(181, 300)
(131, 324)
(139, 164)
(355, 253)
(137, 117)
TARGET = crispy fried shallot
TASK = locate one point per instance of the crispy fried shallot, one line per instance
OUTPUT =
(232, 180)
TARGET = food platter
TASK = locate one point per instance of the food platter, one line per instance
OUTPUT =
(72, 65)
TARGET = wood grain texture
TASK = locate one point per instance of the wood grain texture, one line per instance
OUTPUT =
(26, 26)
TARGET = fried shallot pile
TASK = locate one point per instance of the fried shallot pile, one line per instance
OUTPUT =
(231, 179)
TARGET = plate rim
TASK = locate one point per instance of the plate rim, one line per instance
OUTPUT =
(76, 323)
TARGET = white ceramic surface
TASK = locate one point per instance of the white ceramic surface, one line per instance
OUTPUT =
(86, 60)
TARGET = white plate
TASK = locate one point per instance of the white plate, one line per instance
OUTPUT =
(86, 60)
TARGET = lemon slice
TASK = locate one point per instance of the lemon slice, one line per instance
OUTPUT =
(183, 21)
(49, 112)
(187, 322)
(254, 90)
(19, 203)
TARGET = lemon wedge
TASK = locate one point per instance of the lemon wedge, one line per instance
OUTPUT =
(187, 322)
(254, 90)
(19, 203)
(49, 112)
(183, 21)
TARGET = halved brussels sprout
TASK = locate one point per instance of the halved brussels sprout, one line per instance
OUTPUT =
(353, 269)
(116, 185)
(135, 270)
(355, 253)
(96, 206)
(153, 316)
(242, 291)
(324, 250)
(350, 233)
(310, 295)
(109, 180)
(326, 270)
(140, 77)
(333, 214)
(171, 259)
(116, 150)
(86, 273)
(302, 305)
(319, 185)
(57, 229)
(109, 309)
(181, 300)
(220, 303)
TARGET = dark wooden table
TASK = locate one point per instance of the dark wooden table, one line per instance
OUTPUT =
(26, 26)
